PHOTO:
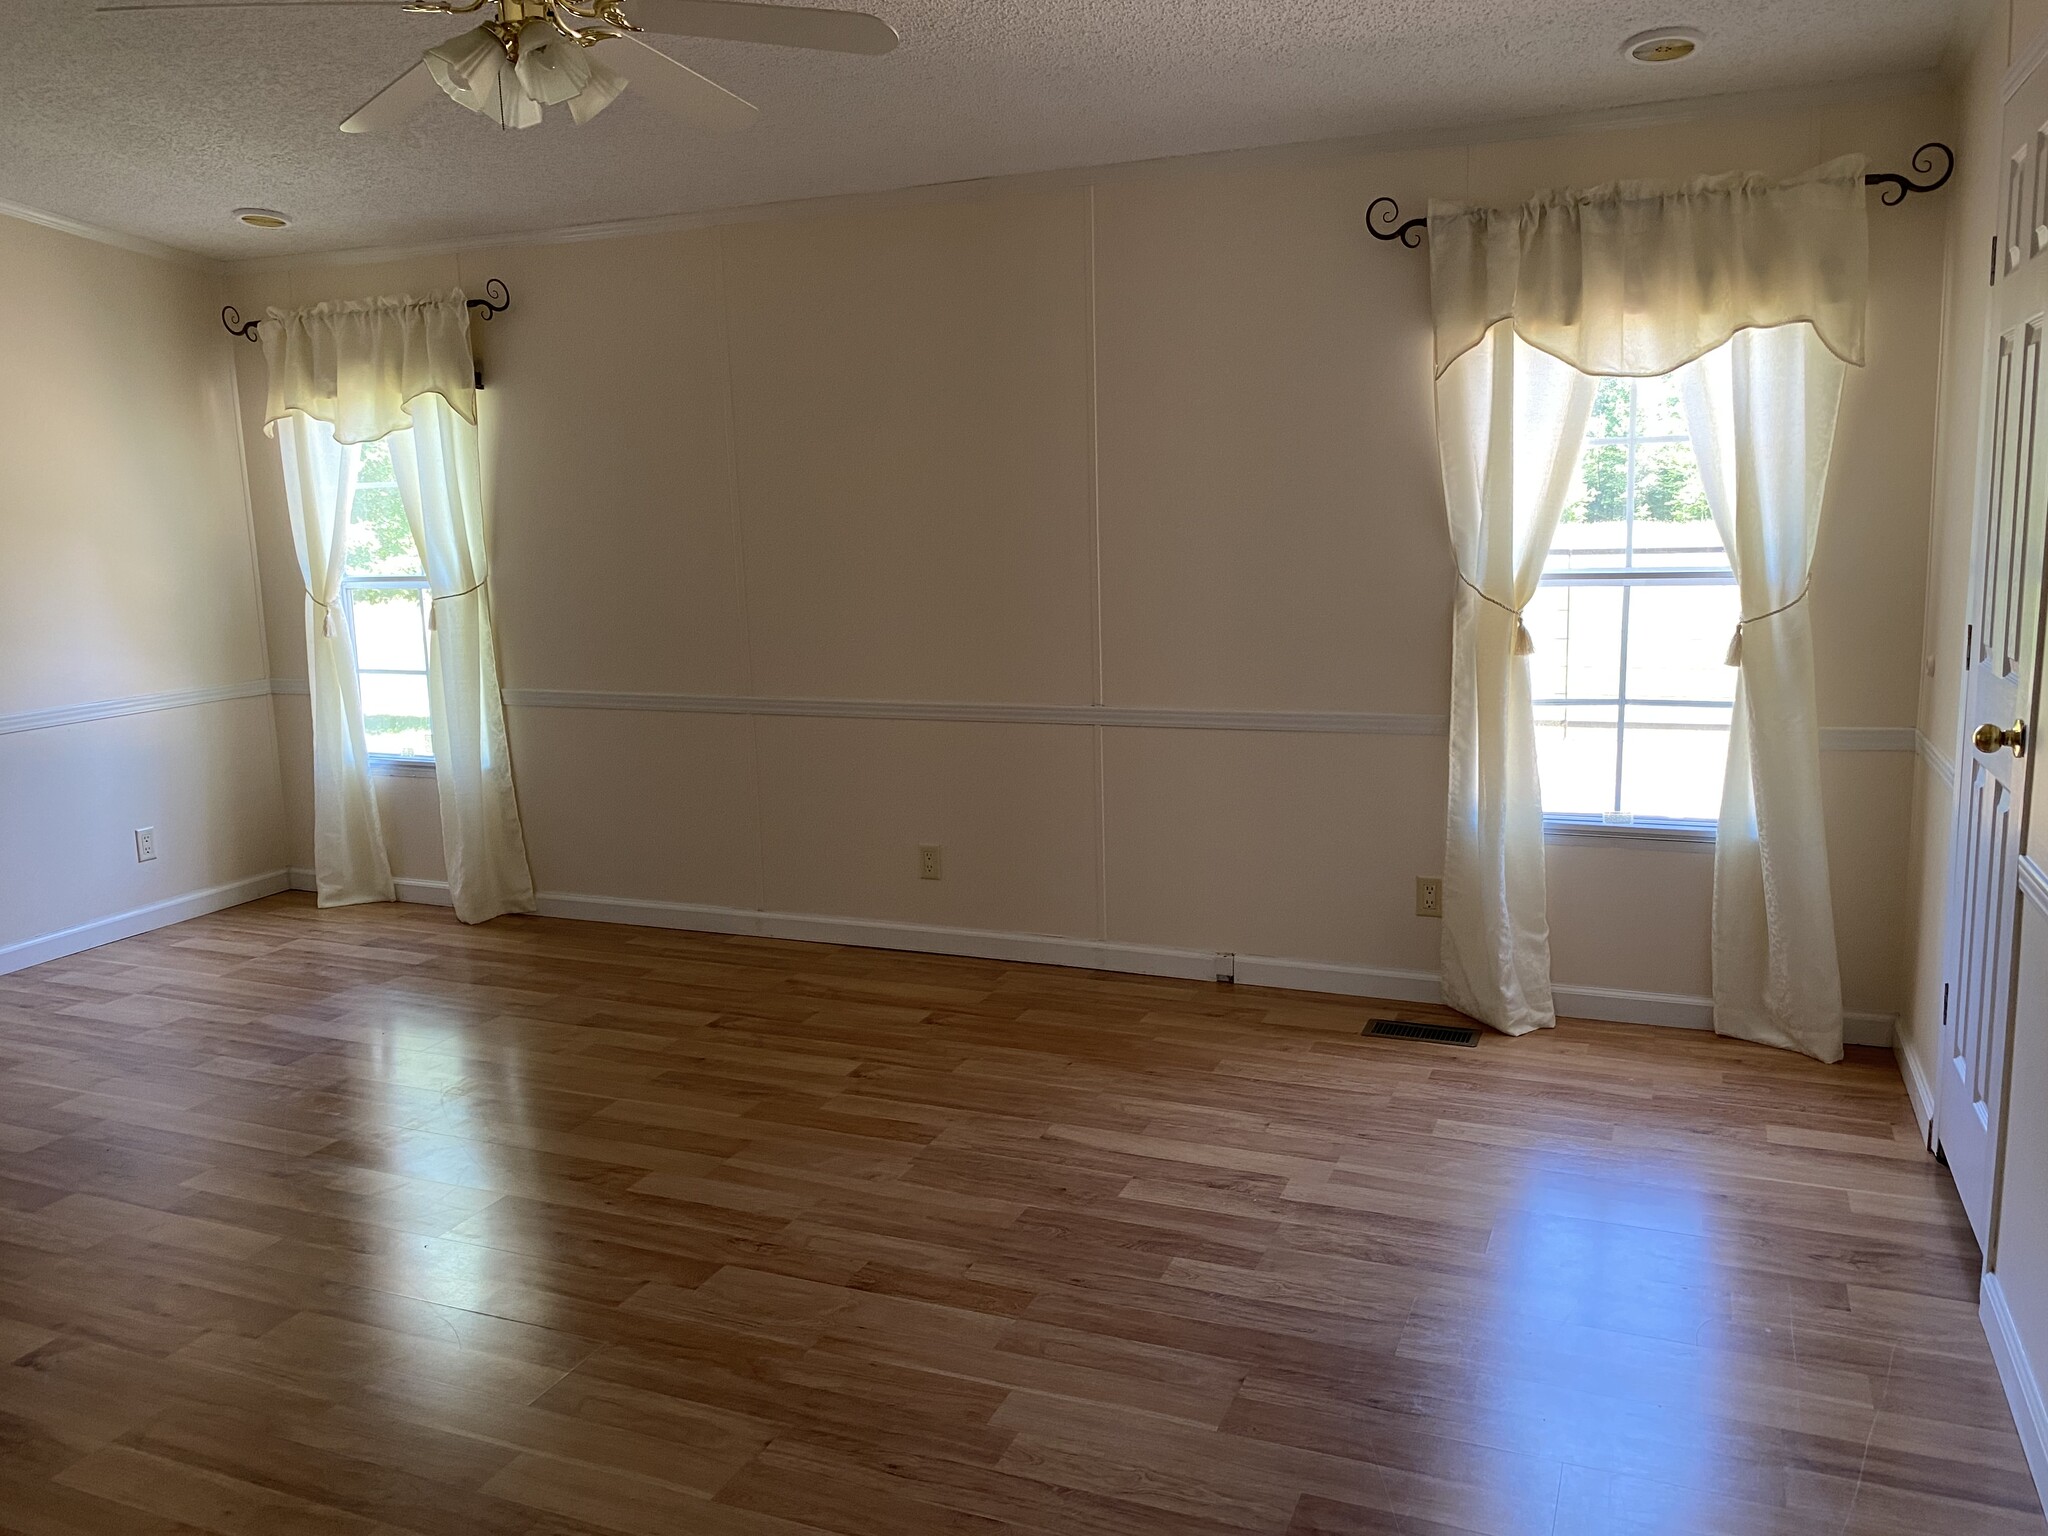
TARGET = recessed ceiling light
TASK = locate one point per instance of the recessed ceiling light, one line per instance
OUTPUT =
(1662, 45)
(262, 218)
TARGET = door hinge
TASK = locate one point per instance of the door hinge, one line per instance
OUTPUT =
(1994, 261)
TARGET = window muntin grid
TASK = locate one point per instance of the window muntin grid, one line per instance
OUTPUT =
(1630, 621)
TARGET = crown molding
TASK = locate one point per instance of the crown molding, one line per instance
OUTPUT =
(1308, 152)
(175, 255)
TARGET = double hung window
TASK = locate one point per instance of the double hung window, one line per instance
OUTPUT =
(385, 591)
(1631, 623)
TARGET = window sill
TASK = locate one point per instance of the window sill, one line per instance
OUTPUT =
(1671, 835)
(385, 766)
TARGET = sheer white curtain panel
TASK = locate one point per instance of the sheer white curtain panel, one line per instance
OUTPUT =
(1756, 288)
(349, 862)
(400, 369)
(1509, 423)
(441, 483)
(1761, 412)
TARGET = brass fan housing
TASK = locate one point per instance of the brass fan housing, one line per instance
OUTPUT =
(600, 19)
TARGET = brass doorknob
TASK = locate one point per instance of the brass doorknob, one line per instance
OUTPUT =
(1989, 738)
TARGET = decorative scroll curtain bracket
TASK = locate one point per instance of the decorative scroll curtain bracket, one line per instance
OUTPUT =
(498, 300)
(1390, 225)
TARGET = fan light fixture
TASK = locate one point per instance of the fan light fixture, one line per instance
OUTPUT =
(525, 56)
(534, 54)
(1663, 45)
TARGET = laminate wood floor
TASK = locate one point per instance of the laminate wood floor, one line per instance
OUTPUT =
(361, 1222)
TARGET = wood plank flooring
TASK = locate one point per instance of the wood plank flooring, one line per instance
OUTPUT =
(361, 1222)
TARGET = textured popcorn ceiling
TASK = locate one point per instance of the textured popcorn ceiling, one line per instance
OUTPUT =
(158, 125)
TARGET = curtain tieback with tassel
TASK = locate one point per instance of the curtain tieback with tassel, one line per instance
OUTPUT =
(326, 614)
(438, 598)
(1734, 656)
(1525, 644)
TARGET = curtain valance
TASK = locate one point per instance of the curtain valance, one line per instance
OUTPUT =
(359, 365)
(1636, 278)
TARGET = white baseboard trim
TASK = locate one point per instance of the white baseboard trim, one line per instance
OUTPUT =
(125, 925)
(425, 893)
(931, 939)
(1669, 1010)
(1919, 1092)
(1345, 980)
(1677, 1010)
(2022, 1386)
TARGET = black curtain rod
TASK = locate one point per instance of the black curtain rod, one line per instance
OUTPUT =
(1390, 227)
(499, 301)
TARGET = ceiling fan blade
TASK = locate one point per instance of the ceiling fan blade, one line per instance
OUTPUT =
(250, 5)
(390, 107)
(680, 89)
(790, 26)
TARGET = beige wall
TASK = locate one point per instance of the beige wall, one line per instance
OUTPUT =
(126, 572)
(1157, 438)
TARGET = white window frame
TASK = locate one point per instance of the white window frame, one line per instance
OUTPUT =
(390, 764)
(1567, 827)
(395, 764)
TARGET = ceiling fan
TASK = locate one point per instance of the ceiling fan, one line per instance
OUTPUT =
(527, 55)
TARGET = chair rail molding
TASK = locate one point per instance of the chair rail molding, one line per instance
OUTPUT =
(138, 704)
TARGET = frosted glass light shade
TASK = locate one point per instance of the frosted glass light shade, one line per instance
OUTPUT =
(472, 69)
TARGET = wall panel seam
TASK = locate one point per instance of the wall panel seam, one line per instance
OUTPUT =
(736, 502)
(1095, 576)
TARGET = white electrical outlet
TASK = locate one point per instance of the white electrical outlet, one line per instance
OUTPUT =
(145, 844)
(931, 862)
(1429, 896)
(1226, 966)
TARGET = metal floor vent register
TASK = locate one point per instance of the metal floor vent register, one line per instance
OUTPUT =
(1434, 1034)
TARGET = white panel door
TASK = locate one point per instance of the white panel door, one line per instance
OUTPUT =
(2000, 685)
